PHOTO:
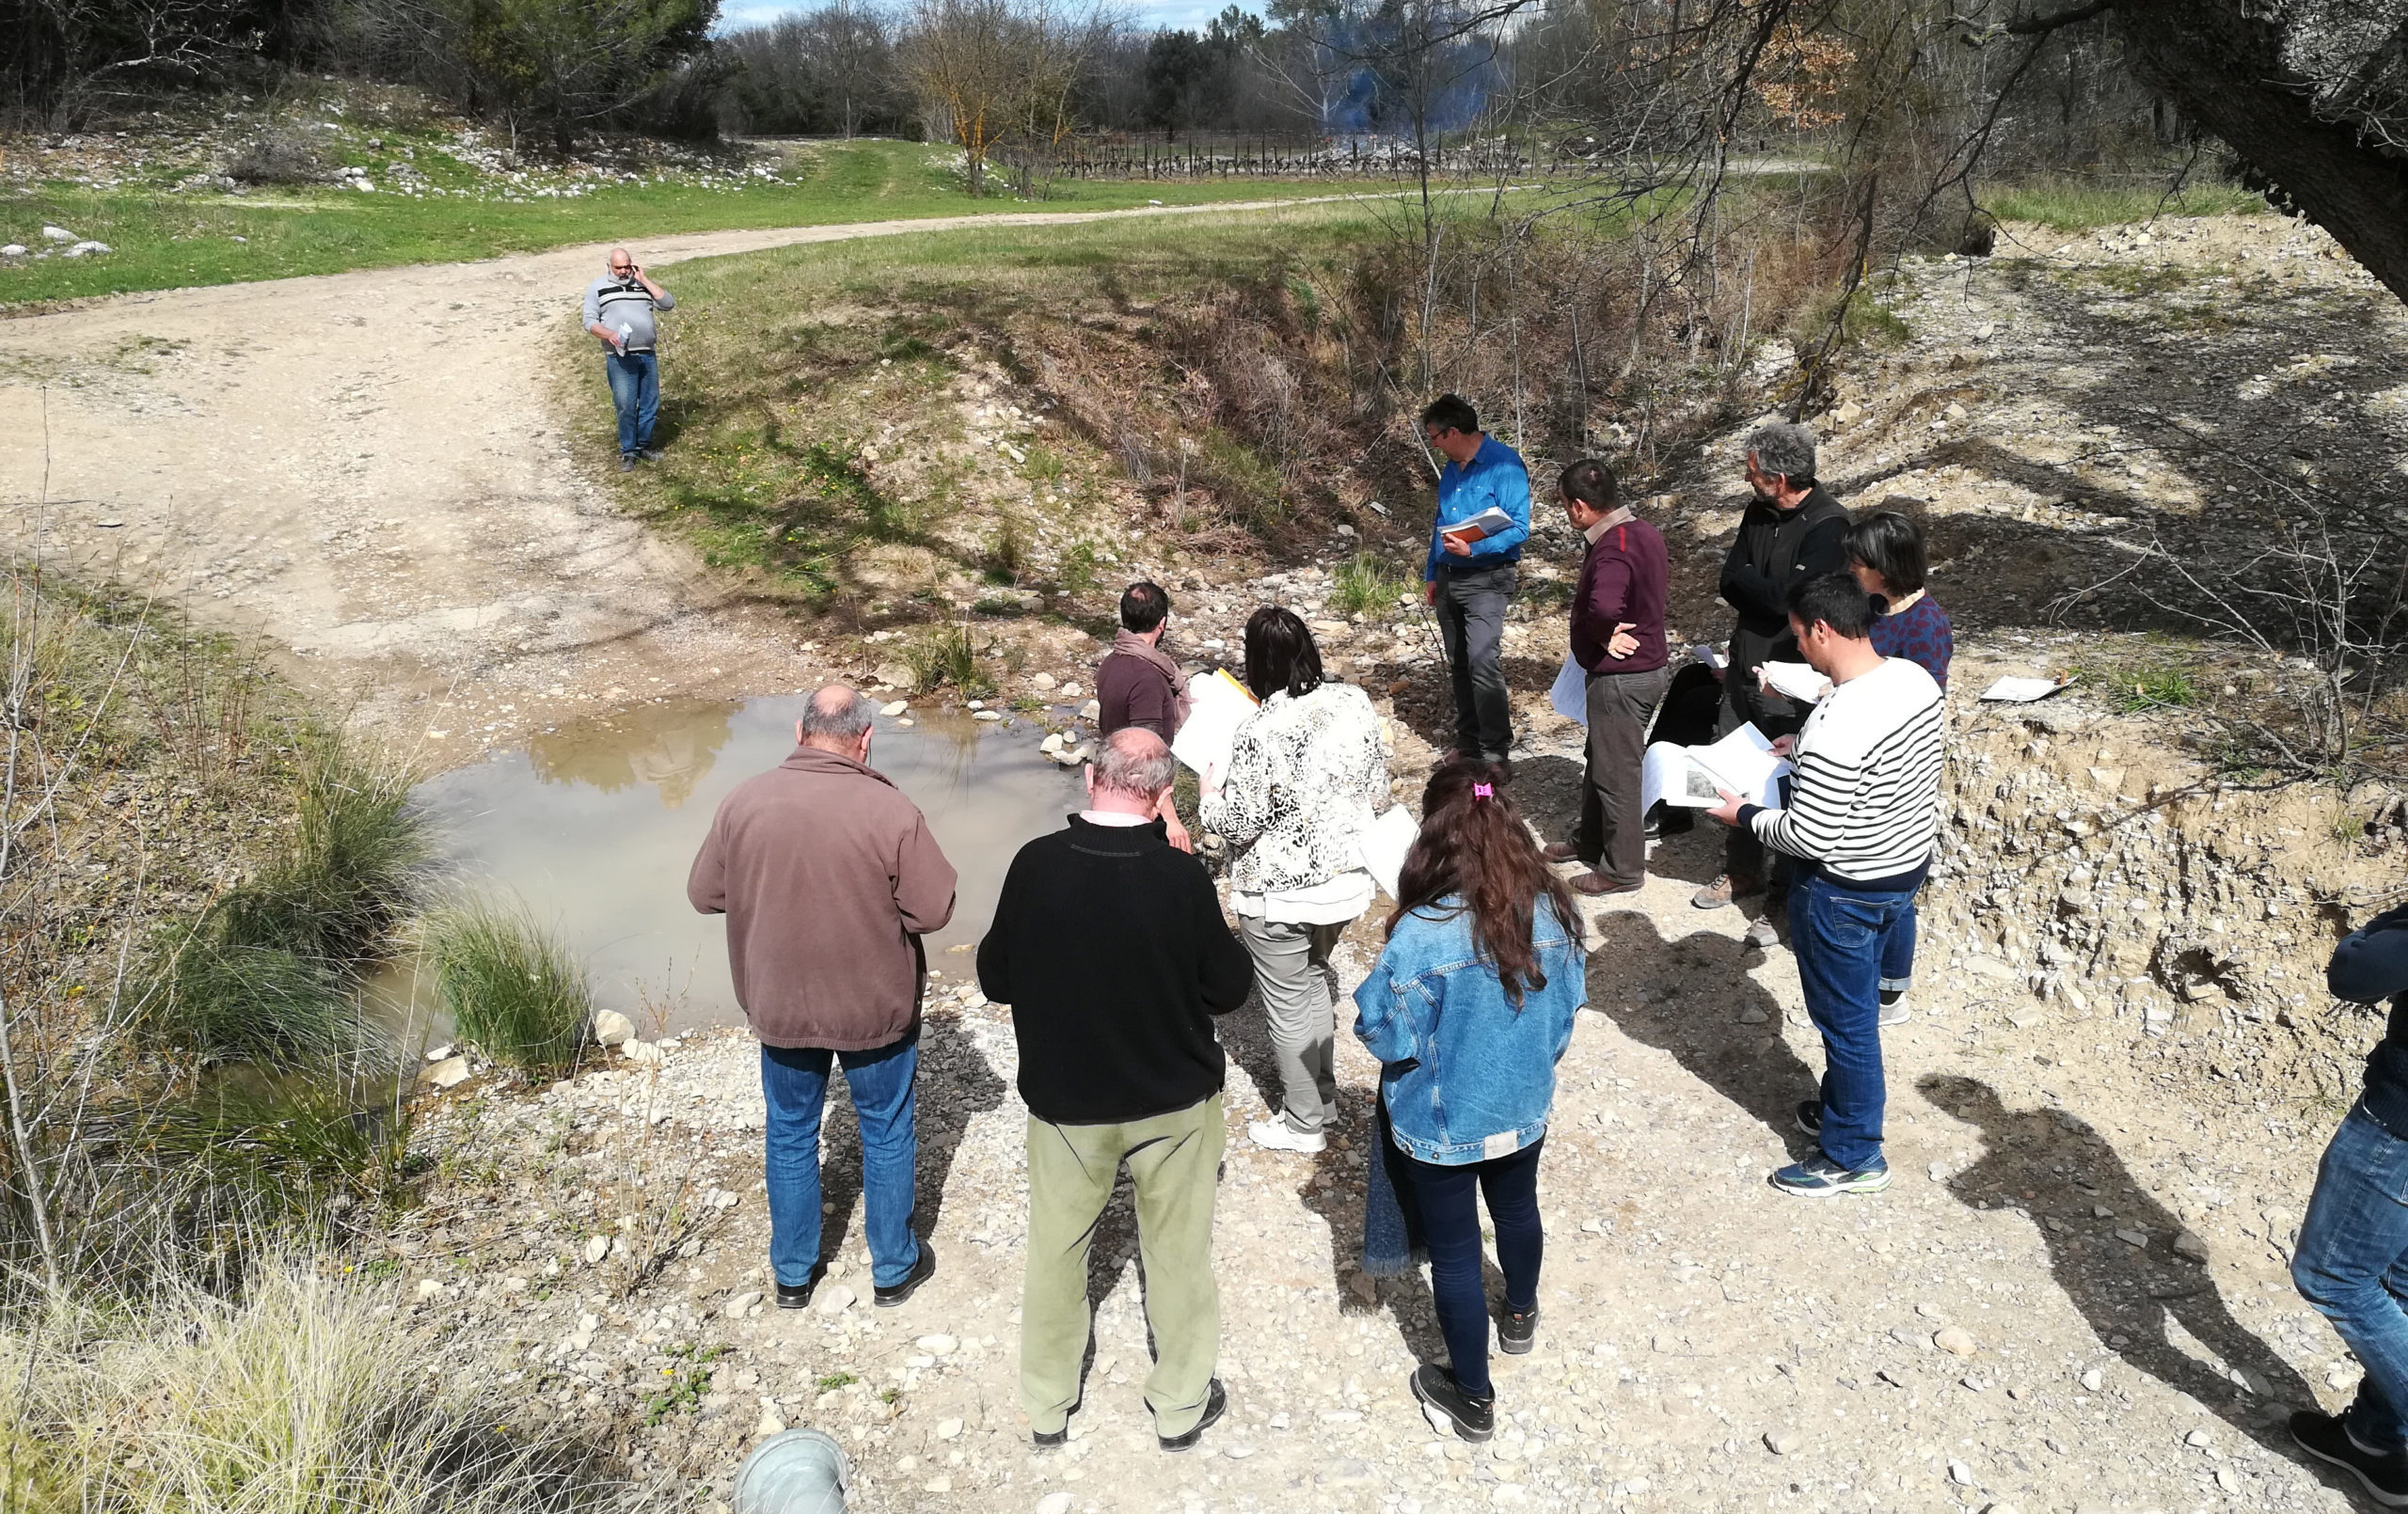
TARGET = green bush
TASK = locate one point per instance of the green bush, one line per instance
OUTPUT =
(512, 987)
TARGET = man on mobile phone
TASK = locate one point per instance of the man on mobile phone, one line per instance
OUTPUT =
(619, 307)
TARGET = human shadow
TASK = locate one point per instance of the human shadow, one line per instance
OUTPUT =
(2131, 1297)
(1694, 999)
(954, 1085)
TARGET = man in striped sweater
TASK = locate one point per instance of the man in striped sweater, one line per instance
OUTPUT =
(1862, 815)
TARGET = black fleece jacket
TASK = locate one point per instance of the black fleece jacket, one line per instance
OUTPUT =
(2371, 965)
(1109, 945)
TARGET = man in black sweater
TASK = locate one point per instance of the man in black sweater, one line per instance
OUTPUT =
(1110, 947)
(2353, 1248)
(1792, 531)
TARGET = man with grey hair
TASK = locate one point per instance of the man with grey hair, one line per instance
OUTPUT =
(618, 312)
(1110, 948)
(1792, 531)
(828, 879)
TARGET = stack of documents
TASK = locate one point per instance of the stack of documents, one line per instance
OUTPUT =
(1696, 777)
(1217, 705)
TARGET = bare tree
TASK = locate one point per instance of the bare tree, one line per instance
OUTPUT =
(993, 72)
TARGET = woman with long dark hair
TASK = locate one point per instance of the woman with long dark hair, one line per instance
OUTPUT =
(1306, 772)
(1469, 1010)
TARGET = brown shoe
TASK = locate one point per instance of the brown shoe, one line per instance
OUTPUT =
(1597, 885)
(1560, 851)
(1725, 888)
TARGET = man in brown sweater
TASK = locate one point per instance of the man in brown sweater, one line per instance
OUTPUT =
(1618, 640)
(828, 879)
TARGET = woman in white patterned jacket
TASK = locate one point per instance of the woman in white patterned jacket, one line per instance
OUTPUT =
(1306, 772)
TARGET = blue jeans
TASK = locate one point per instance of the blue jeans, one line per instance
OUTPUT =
(2352, 1265)
(794, 1084)
(1451, 1223)
(1898, 952)
(1840, 939)
(635, 392)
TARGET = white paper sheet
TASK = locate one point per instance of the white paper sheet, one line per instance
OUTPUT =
(1219, 704)
(1708, 655)
(1570, 695)
(1693, 777)
(1797, 680)
(1384, 842)
(2020, 690)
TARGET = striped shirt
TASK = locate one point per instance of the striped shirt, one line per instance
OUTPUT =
(1864, 801)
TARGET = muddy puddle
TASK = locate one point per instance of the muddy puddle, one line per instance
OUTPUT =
(595, 826)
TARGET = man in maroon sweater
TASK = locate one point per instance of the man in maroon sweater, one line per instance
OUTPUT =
(1618, 639)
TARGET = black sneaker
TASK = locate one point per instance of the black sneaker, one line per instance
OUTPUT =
(798, 1296)
(2383, 1474)
(627, 462)
(1515, 1334)
(1809, 1116)
(1474, 1419)
(1216, 1403)
(922, 1270)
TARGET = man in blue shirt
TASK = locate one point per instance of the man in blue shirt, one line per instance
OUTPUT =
(1470, 574)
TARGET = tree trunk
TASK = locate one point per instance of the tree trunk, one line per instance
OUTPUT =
(2223, 62)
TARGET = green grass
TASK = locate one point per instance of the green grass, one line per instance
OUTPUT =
(947, 656)
(264, 1005)
(512, 988)
(2145, 678)
(2069, 204)
(162, 238)
(354, 865)
(1367, 584)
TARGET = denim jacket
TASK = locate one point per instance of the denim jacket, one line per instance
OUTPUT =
(1466, 1076)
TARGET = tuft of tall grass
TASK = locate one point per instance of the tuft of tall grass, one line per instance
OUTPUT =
(356, 862)
(511, 985)
(298, 1397)
(945, 656)
(1367, 584)
(262, 1005)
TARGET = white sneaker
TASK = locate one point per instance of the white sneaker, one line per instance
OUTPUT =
(1274, 1135)
(1894, 1010)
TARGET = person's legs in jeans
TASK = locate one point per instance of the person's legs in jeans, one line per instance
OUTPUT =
(794, 1085)
(1612, 837)
(1836, 936)
(1898, 952)
(2350, 1264)
(647, 396)
(882, 1085)
(1510, 1186)
(1070, 1172)
(627, 385)
(1297, 1010)
(1449, 1197)
(1483, 711)
(1174, 1163)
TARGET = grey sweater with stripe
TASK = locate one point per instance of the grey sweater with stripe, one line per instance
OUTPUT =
(625, 302)
(1865, 802)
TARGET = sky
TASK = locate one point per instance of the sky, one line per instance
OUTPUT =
(1149, 14)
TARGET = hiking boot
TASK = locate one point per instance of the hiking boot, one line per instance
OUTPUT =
(1819, 1177)
(1725, 888)
(1517, 1333)
(1274, 1135)
(1809, 1116)
(2325, 1437)
(1560, 851)
(1762, 933)
(1216, 1403)
(1474, 1419)
(1597, 885)
(922, 1270)
(627, 462)
(1893, 1007)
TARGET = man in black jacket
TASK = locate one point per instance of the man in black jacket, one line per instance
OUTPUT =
(1792, 531)
(2353, 1245)
(1110, 947)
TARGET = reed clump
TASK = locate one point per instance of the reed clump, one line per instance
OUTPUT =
(513, 988)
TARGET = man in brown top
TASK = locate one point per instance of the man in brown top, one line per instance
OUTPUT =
(1137, 684)
(828, 879)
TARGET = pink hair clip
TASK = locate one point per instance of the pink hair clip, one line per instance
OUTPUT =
(1483, 790)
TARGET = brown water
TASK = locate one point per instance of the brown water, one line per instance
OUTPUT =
(595, 824)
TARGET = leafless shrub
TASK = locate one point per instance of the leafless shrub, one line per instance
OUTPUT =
(277, 158)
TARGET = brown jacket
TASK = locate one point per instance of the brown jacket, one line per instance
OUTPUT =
(826, 875)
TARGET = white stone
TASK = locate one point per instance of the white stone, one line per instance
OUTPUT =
(2189, 1245)
(737, 1307)
(81, 248)
(2094, 1381)
(1091, 712)
(894, 707)
(639, 1051)
(611, 1028)
(428, 1287)
(1054, 1504)
(938, 1344)
(2198, 1438)
(595, 1249)
(1782, 1442)
(448, 1073)
(56, 233)
(1955, 1341)
(1070, 691)
(439, 1053)
(948, 1429)
(1052, 744)
(1959, 1474)
(14, 250)
(770, 1424)
(835, 1301)
(1042, 683)
(986, 715)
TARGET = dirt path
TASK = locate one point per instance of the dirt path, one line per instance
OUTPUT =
(364, 469)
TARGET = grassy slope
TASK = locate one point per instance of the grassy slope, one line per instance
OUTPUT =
(162, 239)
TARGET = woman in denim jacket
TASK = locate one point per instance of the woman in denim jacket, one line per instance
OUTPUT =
(1469, 1010)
